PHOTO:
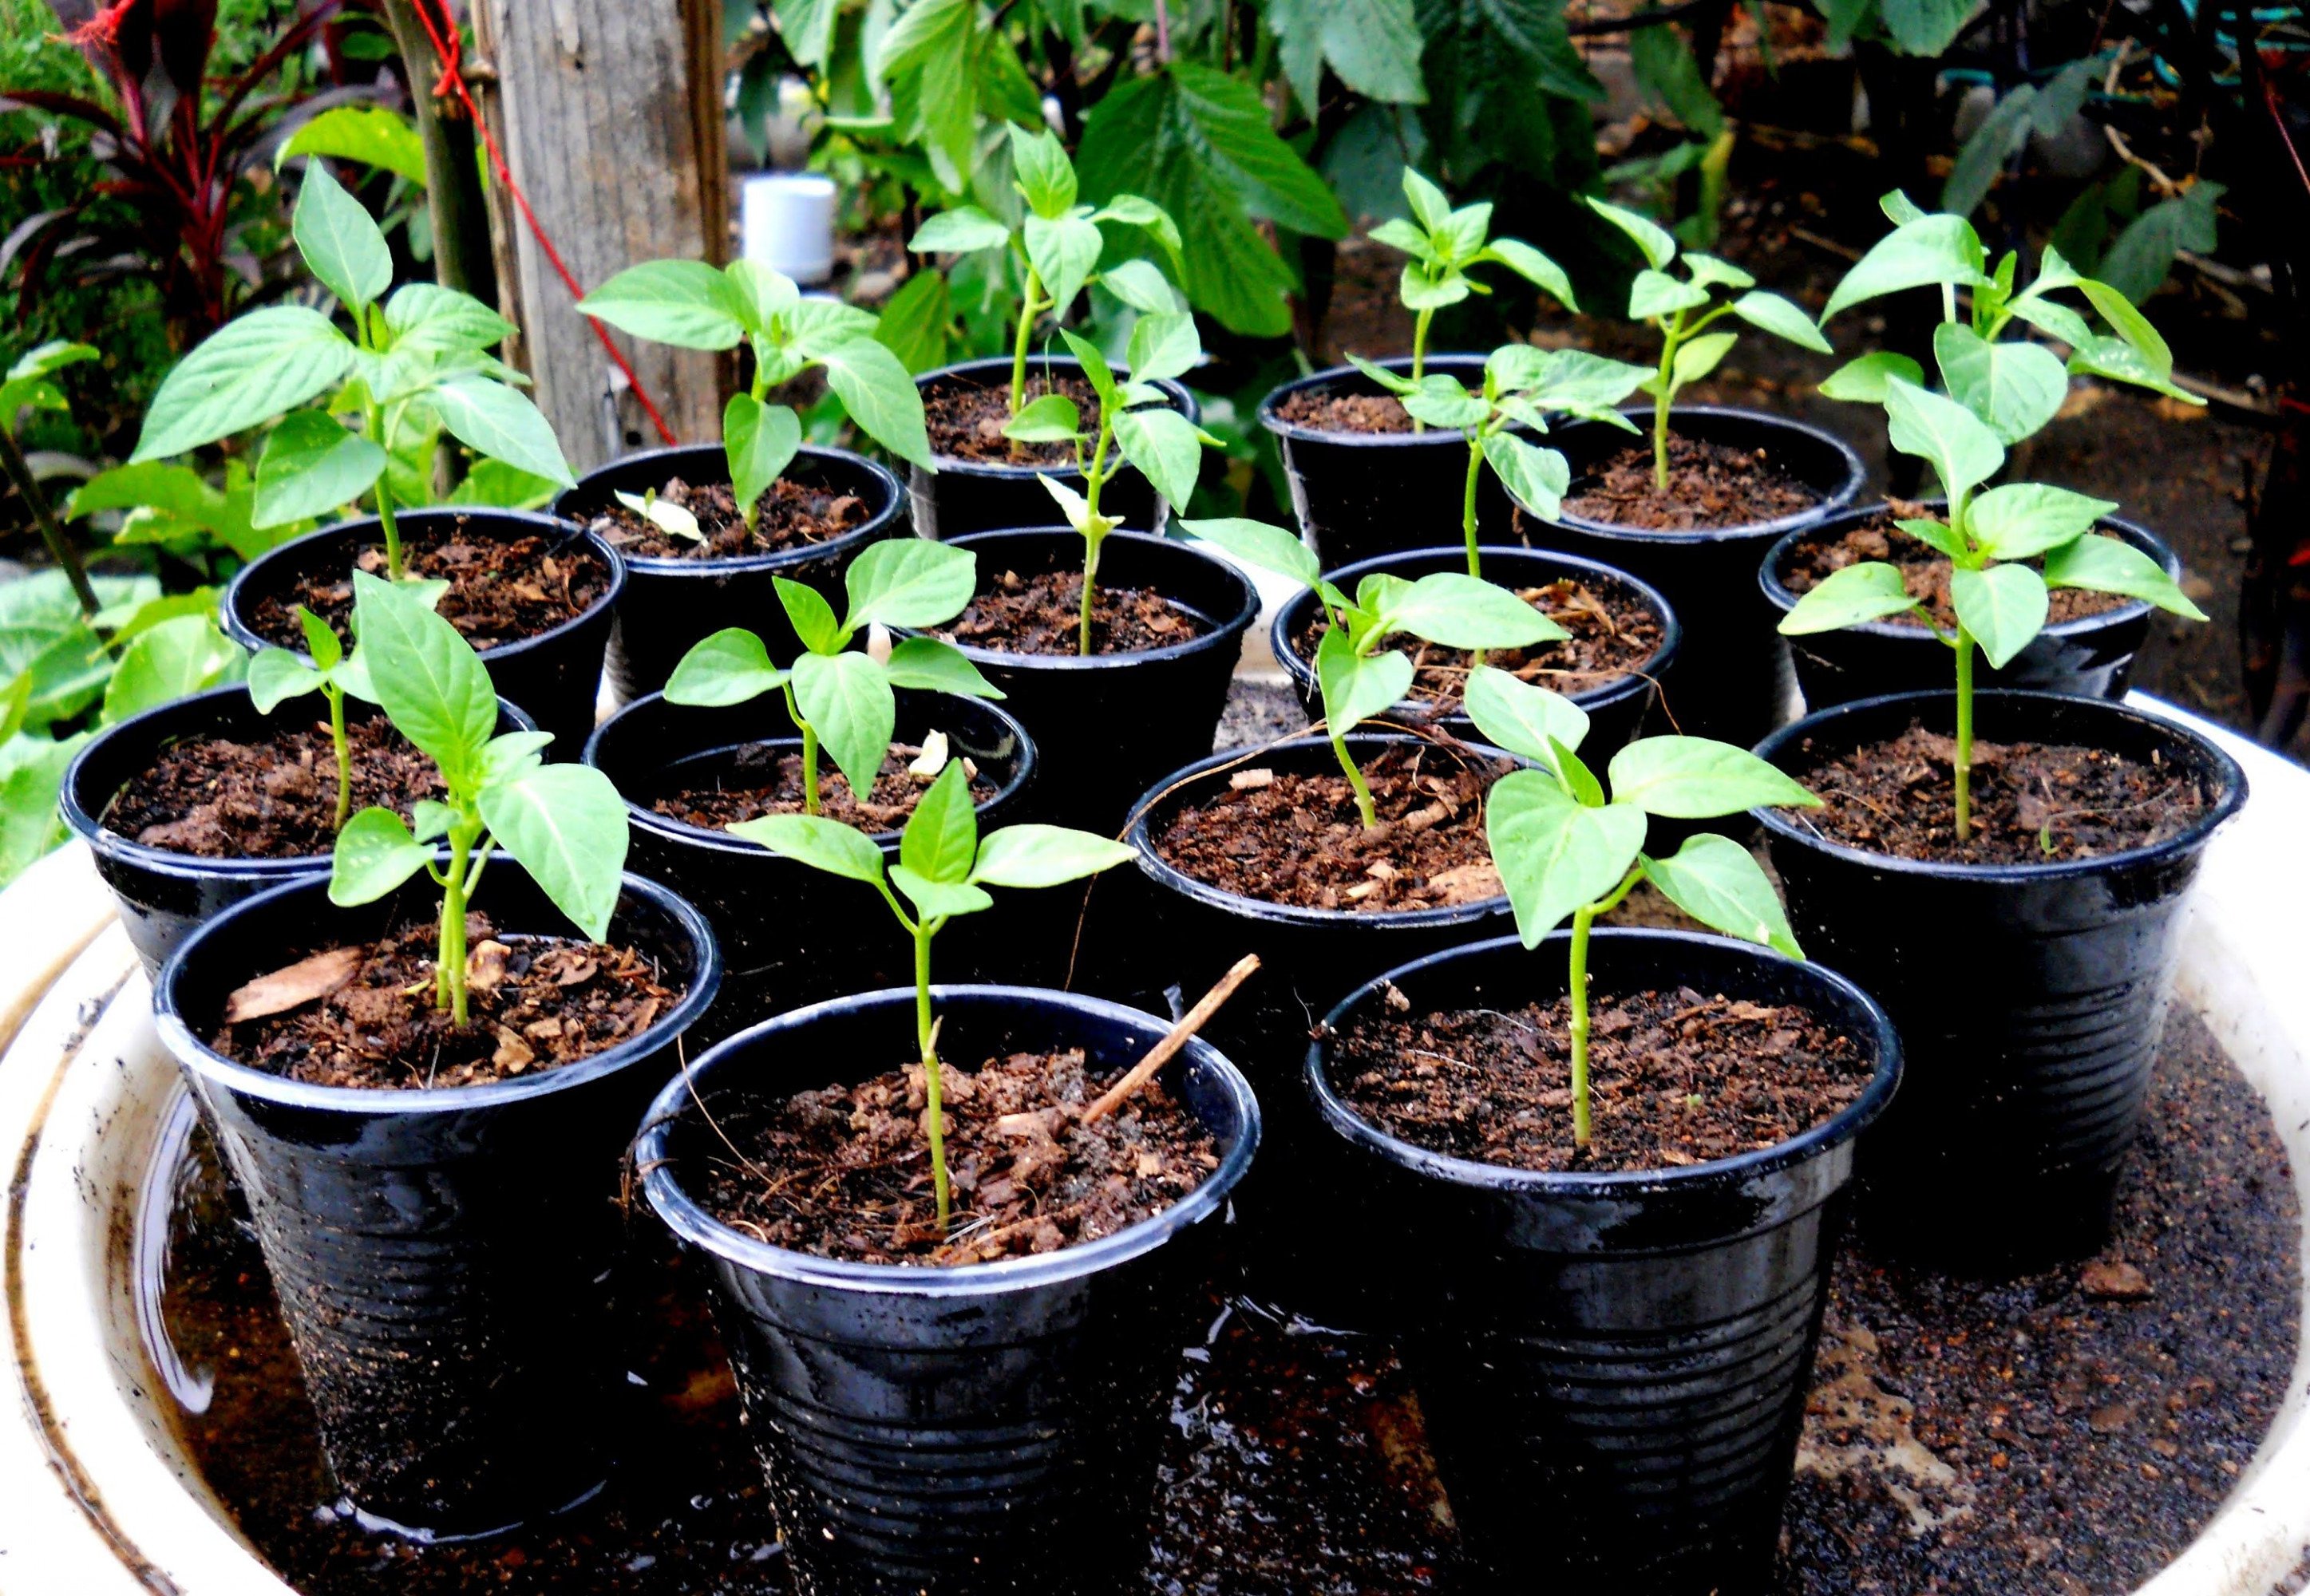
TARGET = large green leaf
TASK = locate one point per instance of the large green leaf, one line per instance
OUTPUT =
(310, 467)
(426, 317)
(1931, 250)
(1719, 883)
(1963, 450)
(940, 840)
(1523, 718)
(818, 842)
(375, 853)
(276, 675)
(1163, 346)
(1064, 251)
(31, 775)
(1556, 855)
(500, 423)
(1357, 688)
(931, 666)
(168, 661)
(2024, 519)
(1164, 445)
(911, 582)
(2003, 607)
(880, 396)
(1863, 380)
(1034, 855)
(431, 684)
(371, 134)
(2108, 566)
(1696, 778)
(759, 441)
(1535, 478)
(1781, 318)
(253, 369)
(1457, 610)
(1869, 591)
(2014, 387)
(686, 303)
(729, 667)
(566, 826)
(846, 699)
(341, 243)
(1256, 543)
(1372, 46)
(914, 322)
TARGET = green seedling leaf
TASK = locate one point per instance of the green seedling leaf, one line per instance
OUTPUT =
(1863, 380)
(2025, 519)
(274, 677)
(312, 466)
(1719, 883)
(1522, 718)
(1653, 240)
(1256, 543)
(880, 397)
(1554, 854)
(1535, 477)
(1963, 450)
(1778, 317)
(566, 826)
(510, 754)
(909, 582)
(938, 900)
(1164, 346)
(1698, 358)
(1165, 447)
(1459, 611)
(761, 441)
(1052, 418)
(1858, 593)
(1075, 507)
(431, 684)
(1356, 687)
(375, 853)
(818, 842)
(814, 620)
(1394, 382)
(1142, 285)
(342, 246)
(1925, 252)
(494, 420)
(1045, 856)
(964, 230)
(665, 515)
(1656, 294)
(1711, 272)
(2003, 607)
(1696, 778)
(846, 699)
(929, 665)
(427, 318)
(685, 303)
(1937, 534)
(2106, 565)
(1533, 267)
(251, 369)
(1441, 402)
(430, 819)
(1064, 252)
(1039, 164)
(2015, 388)
(940, 840)
(1577, 779)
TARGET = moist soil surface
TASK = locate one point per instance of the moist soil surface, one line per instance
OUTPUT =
(1675, 1079)
(501, 589)
(1043, 614)
(791, 515)
(965, 420)
(1924, 571)
(1284, 838)
(364, 1016)
(1612, 635)
(765, 779)
(1709, 485)
(1347, 412)
(845, 1172)
(216, 798)
(2032, 804)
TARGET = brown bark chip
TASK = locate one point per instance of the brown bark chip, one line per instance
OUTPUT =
(1042, 614)
(789, 516)
(1709, 485)
(502, 589)
(216, 798)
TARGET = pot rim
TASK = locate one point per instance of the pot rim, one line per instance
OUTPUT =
(1843, 1126)
(1162, 873)
(1176, 392)
(657, 565)
(1784, 598)
(1023, 771)
(1299, 432)
(2232, 799)
(112, 845)
(690, 1221)
(362, 528)
(1229, 633)
(1290, 615)
(196, 1056)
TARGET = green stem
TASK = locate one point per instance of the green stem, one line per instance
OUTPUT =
(1468, 502)
(1577, 994)
(1094, 479)
(932, 1088)
(1674, 336)
(336, 698)
(1364, 806)
(809, 751)
(385, 516)
(1419, 356)
(751, 513)
(1029, 309)
(1964, 733)
(449, 973)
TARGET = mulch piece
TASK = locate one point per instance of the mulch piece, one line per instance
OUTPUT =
(502, 590)
(215, 798)
(965, 420)
(1348, 412)
(1925, 571)
(1042, 614)
(774, 779)
(791, 515)
(1710, 485)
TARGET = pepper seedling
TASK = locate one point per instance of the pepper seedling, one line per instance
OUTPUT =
(690, 304)
(564, 823)
(417, 363)
(1564, 848)
(944, 870)
(667, 516)
(1357, 676)
(841, 698)
(1688, 350)
(1523, 386)
(276, 675)
(1058, 242)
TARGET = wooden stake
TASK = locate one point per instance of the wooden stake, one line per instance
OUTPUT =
(1162, 1052)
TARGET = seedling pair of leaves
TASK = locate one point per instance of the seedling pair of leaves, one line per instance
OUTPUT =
(1059, 242)
(1444, 243)
(417, 363)
(944, 870)
(564, 823)
(1565, 847)
(842, 699)
(276, 675)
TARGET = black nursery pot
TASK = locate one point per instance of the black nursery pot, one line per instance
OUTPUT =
(988, 1429)
(791, 935)
(447, 1260)
(1735, 674)
(1362, 494)
(554, 676)
(671, 605)
(1613, 1367)
(2088, 658)
(967, 496)
(1108, 726)
(1615, 709)
(164, 895)
(2030, 998)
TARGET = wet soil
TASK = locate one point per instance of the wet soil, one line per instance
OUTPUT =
(1675, 1079)
(965, 420)
(1926, 572)
(1709, 485)
(364, 1016)
(2032, 804)
(765, 779)
(1366, 413)
(216, 798)
(1043, 614)
(502, 590)
(1284, 838)
(791, 515)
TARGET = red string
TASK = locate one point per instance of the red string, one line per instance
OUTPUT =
(450, 50)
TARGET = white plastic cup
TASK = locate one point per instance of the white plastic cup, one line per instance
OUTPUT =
(788, 223)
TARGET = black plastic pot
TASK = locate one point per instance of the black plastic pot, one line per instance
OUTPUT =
(1734, 675)
(671, 605)
(1612, 1368)
(1108, 726)
(447, 1259)
(791, 935)
(2091, 658)
(1362, 494)
(554, 676)
(2030, 998)
(967, 496)
(988, 1429)
(1615, 710)
(164, 895)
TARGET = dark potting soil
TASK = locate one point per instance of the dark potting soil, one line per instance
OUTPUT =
(1284, 838)
(1612, 635)
(775, 787)
(1925, 571)
(844, 1172)
(1043, 614)
(2032, 804)
(790, 516)
(965, 420)
(364, 1016)
(1345, 412)
(1709, 485)
(502, 590)
(216, 798)
(1675, 1079)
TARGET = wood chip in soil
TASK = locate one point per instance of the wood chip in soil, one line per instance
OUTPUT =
(846, 1173)
(965, 419)
(1675, 1079)
(790, 516)
(1366, 413)
(2032, 804)
(1284, 838)
(1709, 485)
(1042, 614)
(1925, 571)
(502, 590)
(535, 1004)
(765, 779)
(216, 798)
